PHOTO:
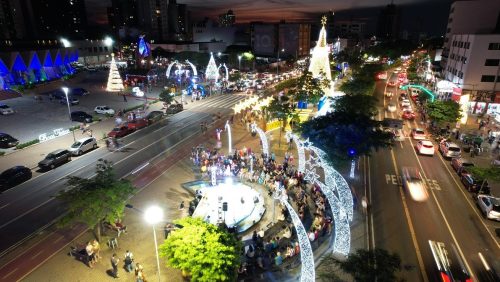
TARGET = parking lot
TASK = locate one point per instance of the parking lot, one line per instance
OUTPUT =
(34, 117)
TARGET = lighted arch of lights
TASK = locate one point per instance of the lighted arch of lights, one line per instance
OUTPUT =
(263, 138)
(179, 66)
(335, 188)
(227, 72)
(307, 271)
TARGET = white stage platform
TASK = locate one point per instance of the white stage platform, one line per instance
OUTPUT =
(245, 206)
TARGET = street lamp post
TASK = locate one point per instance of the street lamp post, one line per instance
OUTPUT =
(278, 62)
(154, 215)
(65, 89)
(239, 62)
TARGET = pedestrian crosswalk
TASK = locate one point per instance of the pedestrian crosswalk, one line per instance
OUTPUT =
(226, 101)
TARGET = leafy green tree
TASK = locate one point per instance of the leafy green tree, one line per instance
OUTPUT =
(202, 250)
(235, 76)
(349, 130)
(280, 108)
(443, 111)
(166, 97)
(492, 173)
(310, 89)
(95, 200)
(363, 266)
(286, 84)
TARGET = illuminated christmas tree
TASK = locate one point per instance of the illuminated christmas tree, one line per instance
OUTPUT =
(115, 82)
(320, 61)
(212, 72)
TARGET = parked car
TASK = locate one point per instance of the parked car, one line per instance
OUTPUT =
(120, 131)
(54, 159)
(391, 107)
(449, 149)
(403, 96)
(413, 183)
(408, 115)
(7, 141)
(79, 91)
(137, 123)
(81, 117)
(418, 134)
(14, 176)
(460, 165)
(104, 110)
(83, 145)
(473, 184)
(425, 147)
(6, 110)
(489, 206)
(174, 108)
(72, 100)
(154, 116)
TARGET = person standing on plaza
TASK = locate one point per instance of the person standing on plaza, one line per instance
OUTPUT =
(129, 261)
(124, 98)
(139, 273)
(90, 254)
(114, 264)
(96, 248)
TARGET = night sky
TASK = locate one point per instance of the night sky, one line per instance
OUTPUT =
(428, 12)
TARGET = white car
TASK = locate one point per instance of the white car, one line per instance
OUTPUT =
(83, 145)
(391, 107)
(414, 184)
(490, 206)
(425, 147)
(418, 134)
(104, 110)
(6, 110)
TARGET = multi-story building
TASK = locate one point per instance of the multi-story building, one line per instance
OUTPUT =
(12, 25)
(153, 19)
(349, 29)
(228, 19)
(207, 31)
(122, 13)
(474, 62)
(470, 17)
(283, 39)
(389, 22)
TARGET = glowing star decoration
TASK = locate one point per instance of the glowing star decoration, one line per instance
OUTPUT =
(115, 82)
(212, 72)
(263, 138)
(229, 141)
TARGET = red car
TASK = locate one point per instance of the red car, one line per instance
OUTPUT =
(137, 124)
(120, 131)
(409, 115)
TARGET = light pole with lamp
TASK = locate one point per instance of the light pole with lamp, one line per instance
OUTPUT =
(154, 215)
(65, 89)
(239, 62)
(278, 61)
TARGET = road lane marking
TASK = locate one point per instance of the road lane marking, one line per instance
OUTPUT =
(10, 273)
(37, 254)
(468, 201)
(58, 239)
(423, 272)
(71, 172)
(370, 201)
(4, 206)
(444, 217)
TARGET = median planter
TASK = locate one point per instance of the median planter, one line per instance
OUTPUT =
(29, 143)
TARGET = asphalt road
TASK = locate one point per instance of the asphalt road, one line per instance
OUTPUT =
(449, 215)
(31, 205)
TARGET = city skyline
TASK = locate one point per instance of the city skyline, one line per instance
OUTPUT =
(268, 10)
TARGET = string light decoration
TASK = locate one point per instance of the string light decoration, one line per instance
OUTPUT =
(212, 72)
(300, 149)
(115, 82)
(229, 140)
(334, 187)
(263, 138)
(307, 272)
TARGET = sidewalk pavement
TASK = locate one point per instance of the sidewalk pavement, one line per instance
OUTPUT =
(165, 189)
